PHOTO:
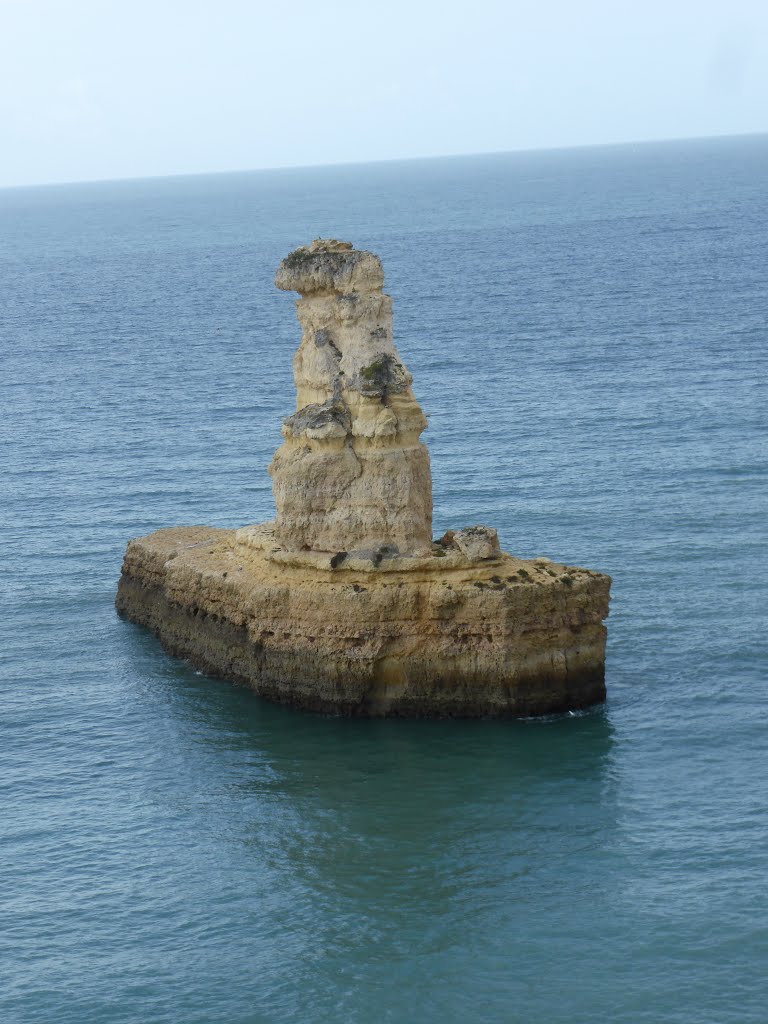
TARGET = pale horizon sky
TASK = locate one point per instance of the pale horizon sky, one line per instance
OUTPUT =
(100, 89)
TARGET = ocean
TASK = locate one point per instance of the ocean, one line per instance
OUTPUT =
(587, 330)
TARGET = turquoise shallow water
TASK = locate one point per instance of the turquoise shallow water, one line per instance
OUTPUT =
(587, 331)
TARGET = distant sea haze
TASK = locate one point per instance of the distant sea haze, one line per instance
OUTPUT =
(587, 333)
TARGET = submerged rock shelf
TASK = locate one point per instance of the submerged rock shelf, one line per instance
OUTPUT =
(345, 604)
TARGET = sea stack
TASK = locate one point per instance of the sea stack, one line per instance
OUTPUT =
(345, 604)
(352, 473)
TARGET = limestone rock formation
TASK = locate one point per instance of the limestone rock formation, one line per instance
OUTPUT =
(345, 603)
(352, 473)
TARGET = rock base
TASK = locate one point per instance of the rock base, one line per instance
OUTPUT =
(494, 638)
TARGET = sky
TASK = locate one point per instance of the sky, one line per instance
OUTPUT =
(99, 89)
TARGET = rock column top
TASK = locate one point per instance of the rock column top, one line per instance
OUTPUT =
(328, 266)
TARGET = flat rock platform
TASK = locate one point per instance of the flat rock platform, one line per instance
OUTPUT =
(435, 636)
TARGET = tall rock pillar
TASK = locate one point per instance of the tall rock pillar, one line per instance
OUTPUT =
(352, 474)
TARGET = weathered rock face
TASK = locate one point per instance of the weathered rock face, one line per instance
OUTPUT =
(352, 473)
(441, 638)
(345, 603)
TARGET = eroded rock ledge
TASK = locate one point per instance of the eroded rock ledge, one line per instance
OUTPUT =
(498, 638)
(345, 603)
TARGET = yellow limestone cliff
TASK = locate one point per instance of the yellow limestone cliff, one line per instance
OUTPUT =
(345, 603)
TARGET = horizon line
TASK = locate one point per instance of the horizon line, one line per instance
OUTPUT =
(384, 160)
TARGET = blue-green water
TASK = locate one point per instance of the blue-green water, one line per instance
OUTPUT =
(588, 331)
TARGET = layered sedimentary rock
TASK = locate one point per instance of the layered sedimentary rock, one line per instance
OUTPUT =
(345, 603)
(352, 473)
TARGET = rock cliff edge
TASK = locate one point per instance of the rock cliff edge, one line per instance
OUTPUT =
(345, 603)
